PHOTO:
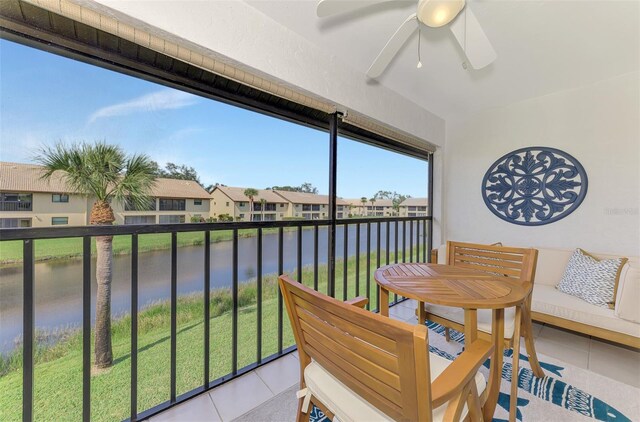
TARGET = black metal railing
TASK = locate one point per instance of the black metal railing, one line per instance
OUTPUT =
(16, 206)
(405, 240)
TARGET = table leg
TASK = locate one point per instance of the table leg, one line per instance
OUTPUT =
(422, 313)
(495, 369)
(515, 367)
(470, 325)
(383, 306)
(528, 340)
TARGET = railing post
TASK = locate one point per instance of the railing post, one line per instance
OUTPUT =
(134, 328)
(86, 328)
(28, 331)
(207, 306)
(430, 207)
(333, 172)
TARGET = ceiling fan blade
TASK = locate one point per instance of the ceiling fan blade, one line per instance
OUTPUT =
(472, 39)
(333, 7)
(394, 44)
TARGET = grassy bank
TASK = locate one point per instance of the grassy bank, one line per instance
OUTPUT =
(58, 369)
(70, 248)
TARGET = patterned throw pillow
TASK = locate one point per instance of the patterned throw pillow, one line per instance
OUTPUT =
(591, 279)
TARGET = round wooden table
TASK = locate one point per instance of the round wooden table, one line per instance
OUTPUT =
(471, 290)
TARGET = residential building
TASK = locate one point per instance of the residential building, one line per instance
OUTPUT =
(231, 201)
(310, 206)
(379, 208)
(414, 207)
(27, 200)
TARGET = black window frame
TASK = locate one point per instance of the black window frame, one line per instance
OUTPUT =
(61, 197)
(175, 204)
(66, 219)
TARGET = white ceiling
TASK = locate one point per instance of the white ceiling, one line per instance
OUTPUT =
(542, 47)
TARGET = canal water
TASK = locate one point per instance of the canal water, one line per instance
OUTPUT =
(58, 284)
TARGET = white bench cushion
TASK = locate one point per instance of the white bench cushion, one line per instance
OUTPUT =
(549, 300)
(484, 317)
(350, 407)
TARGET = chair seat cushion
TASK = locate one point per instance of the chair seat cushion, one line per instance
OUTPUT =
(350, 407)
(484, 317)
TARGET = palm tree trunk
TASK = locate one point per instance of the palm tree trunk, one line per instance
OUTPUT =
(104, 266)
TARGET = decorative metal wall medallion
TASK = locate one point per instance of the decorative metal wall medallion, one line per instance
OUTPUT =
(534, 186)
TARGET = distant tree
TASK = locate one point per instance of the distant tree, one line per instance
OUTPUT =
(108, 174)
(175, 171)
(250, 193)
(373, 201)
(364, 201)
(308, 188)
(305, 187)
(263, 202)
(225, 217)
(384, 194)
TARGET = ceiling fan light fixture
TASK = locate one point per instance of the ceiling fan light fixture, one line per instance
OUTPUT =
(437, 13)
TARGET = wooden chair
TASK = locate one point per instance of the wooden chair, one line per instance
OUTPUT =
(360, 366)
(515, 263)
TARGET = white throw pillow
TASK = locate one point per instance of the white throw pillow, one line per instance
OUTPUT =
(591, 279)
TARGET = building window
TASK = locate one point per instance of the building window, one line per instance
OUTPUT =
(281, 205)
(257, 217)
(411, 208)
(315, 207)
(171, 219)
(140, 219)
(59, 221)
(147, 206)
(306, 207)
(15, 201)
(172, 204)
(12, 223)
(59, 197)
(269, 217)
(197, 202)
(227, 203)
(241, 216)
(306, 216)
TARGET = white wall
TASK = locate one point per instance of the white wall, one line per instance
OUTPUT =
(598, 124)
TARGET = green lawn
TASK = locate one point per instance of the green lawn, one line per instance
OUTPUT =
(58, 369)
(46, 249)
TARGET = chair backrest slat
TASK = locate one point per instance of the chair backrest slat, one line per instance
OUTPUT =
(372, 355)
(515, 263)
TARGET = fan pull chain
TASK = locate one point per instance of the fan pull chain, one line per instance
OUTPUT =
(419, 36)
(464, 41)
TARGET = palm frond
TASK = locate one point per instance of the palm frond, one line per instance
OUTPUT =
(100, 170)
(137, 181)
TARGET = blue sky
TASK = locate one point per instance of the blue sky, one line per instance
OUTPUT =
(46, 98)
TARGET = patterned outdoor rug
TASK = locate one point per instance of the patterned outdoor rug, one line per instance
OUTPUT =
(566, 393)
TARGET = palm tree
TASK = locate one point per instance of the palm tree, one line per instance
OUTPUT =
(263, 203)
(250, 193)
(373, 201)
(106, 173)
(364, 201)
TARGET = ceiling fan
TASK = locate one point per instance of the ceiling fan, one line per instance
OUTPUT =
(434, 13)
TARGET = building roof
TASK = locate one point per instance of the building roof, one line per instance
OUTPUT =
(175, 188)
(237, 195)
(415, 202)
(357, 202)
(307, 198)
(20, 177)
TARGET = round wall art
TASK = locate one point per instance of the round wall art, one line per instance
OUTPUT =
(534, 186)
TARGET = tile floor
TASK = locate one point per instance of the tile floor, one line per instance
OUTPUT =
(248, 392)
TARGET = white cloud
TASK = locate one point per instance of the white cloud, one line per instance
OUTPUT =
(166, 99)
